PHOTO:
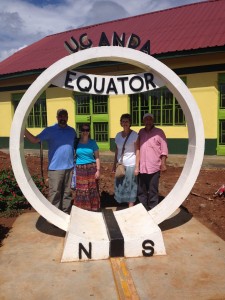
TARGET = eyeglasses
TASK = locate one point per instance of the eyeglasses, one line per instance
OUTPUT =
(85, 130)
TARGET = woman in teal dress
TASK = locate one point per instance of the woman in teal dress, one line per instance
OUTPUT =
(87, 172)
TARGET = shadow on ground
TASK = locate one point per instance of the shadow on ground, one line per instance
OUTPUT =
(4, 231)
(107, 200)
(44, 226)
(182, 217)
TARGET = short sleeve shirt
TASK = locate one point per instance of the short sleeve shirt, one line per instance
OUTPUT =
(129, 156)
(85, 152)
(153, 145)
(60, 146)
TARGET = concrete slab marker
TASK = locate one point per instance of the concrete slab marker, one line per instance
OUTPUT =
(86, 238)
(142, 236)
(115, 235)
(123, 280)
(130, 232)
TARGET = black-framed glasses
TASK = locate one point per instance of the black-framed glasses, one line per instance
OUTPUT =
(85, 130)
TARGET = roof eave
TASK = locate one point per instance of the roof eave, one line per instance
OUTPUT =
(192, 52)
(161, 56)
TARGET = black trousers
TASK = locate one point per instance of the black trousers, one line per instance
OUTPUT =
(148, 189)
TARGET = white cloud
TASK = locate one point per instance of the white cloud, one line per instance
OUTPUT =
(25, 21)
(103, 11)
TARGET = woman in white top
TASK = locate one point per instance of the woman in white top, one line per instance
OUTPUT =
(126, 187)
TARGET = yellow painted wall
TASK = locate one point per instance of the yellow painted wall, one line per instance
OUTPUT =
(118, 105)
(56, 98)
(204, 89)
(6, 114)
(203, 86)
(60, 98)
(180, 132)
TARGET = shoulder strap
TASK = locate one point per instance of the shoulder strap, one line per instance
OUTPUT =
(123, 149)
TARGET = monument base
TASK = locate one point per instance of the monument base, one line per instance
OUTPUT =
(99, 235)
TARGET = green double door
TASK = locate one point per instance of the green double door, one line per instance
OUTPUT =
(93, 110)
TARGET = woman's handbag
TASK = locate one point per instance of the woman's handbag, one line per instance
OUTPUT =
(120, 171)
(120, 168)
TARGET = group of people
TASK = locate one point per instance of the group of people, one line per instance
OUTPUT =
(61, 139)
(143, 154)
(144, 158)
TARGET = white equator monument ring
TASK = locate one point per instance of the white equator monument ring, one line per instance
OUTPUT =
(193, 117)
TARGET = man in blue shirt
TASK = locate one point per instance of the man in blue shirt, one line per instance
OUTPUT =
(60, 138)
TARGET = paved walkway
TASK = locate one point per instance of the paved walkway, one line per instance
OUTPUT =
(194, 267)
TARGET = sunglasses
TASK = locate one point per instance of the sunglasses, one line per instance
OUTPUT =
(85, 130)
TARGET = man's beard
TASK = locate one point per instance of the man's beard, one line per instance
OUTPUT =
(62, 122)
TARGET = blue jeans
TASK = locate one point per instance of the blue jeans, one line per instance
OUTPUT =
(148, 189)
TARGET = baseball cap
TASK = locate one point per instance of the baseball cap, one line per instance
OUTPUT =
(62, 111)
(148, 115)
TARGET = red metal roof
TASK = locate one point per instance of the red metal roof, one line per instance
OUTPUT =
(189, 27)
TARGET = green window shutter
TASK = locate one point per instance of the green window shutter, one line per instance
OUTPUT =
(221, 113)
(38, 115)
(161, 103)
(221, 88)
(82, 104)
(221, 132)
(93, 110)
(221, 78)
(100, 104)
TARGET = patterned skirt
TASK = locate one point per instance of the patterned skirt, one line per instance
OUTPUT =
(87, 192)
(126, 188)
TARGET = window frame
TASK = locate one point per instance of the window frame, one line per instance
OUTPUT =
(161, 103)
(38, 115)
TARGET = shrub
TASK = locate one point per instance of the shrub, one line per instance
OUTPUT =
(12, 199)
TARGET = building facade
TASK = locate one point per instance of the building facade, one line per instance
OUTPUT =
(194, 51)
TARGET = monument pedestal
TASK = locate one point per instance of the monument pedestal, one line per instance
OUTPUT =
(95, 235)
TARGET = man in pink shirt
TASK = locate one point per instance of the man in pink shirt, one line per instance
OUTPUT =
(152, 152)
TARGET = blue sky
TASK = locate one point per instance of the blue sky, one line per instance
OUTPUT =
(23, 22)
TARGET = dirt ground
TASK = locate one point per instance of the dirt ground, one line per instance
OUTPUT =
(201, 202)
